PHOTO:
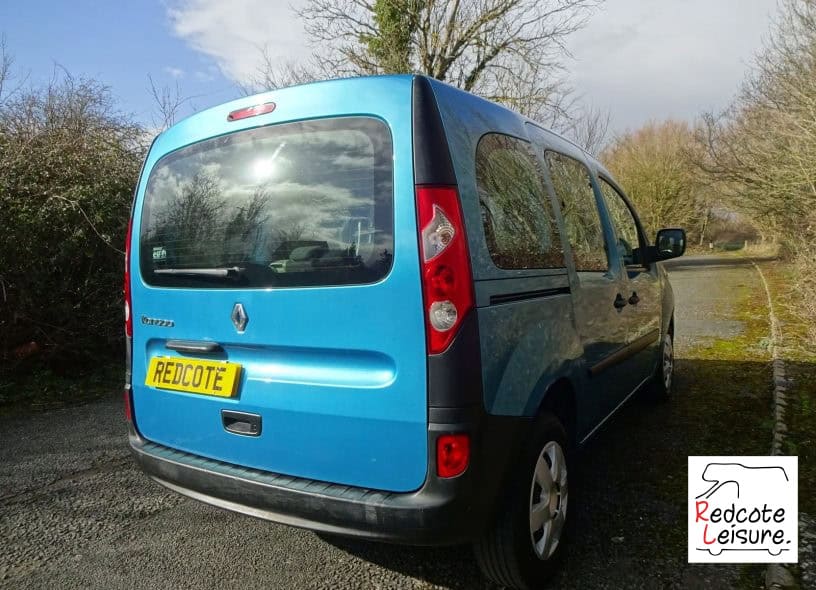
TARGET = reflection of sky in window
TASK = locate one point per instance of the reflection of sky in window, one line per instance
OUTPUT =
(519, 225)
(313, 183)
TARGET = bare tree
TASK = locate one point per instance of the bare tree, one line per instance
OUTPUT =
(761, 152)
(590, 129)
(167, 101)
(11, 82)
(656, 164)
(6, 64)
(510, 51)
(272, 73)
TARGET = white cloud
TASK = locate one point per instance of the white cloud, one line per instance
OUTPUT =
(233, 32)
(639, 59)
(174, 72)
(206, 74)
(647, 60)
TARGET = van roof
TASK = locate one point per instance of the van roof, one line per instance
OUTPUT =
(337, 84)
(267, 95)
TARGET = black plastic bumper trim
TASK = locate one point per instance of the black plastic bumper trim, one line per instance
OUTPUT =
(455, 376)
(441, 512)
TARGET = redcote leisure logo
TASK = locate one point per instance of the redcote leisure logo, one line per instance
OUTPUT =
(743, 510)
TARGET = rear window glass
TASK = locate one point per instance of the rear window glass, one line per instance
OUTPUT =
(297, 204)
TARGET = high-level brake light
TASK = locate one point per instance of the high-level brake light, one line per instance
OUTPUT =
(254, 111)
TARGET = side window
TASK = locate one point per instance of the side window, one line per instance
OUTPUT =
(573, 188)
(516, 213)
(623, 222)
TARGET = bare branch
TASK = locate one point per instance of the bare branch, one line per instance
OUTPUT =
(590, 129)
(167, 101)
(507, 50)
(11, 82)
(272, 73)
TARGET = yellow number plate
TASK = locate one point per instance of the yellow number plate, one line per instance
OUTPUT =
(194, 376)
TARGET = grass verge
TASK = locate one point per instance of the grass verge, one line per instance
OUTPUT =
(800, 367)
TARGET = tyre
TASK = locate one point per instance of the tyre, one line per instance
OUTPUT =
(525, 545)
(663, 380)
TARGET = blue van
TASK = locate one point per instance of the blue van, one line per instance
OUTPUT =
(386, 308)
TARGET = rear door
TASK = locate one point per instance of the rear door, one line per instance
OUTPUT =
(286, 246)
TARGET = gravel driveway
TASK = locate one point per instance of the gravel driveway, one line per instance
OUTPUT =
(75, 513)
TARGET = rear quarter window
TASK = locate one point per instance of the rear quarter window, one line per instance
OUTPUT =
(517, 216)
(296, 204)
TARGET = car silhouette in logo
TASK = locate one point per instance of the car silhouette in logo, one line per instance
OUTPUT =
(740, 495)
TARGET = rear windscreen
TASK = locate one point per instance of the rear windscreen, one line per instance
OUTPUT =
(297, 204)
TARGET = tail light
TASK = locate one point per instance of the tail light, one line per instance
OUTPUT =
(452, 454)
(446, 279)
(128, 327)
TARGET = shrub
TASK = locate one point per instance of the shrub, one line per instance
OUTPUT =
(68, 165)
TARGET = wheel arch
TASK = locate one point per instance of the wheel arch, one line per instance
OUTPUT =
(560, 400)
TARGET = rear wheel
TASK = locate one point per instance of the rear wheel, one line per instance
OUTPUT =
(525, 545)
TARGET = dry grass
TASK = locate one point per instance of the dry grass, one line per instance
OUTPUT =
(799, 353)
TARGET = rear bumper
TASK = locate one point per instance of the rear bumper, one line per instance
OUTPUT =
(442, 511)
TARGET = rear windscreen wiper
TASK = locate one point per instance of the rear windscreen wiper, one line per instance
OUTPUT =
(232, 272)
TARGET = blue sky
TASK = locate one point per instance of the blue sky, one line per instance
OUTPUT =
(118, 42)
(638, 59)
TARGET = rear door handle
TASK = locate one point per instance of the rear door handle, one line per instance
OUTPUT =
(193, 346)
(620, 302)
(633, 300)
(241, 423)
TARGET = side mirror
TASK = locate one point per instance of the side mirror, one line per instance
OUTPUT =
(670, 243)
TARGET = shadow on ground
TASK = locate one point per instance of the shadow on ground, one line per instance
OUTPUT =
(629, 489)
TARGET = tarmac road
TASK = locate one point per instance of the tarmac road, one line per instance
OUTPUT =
(75, 512)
